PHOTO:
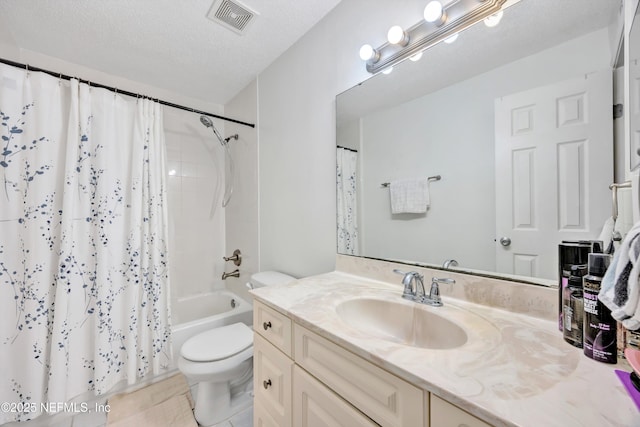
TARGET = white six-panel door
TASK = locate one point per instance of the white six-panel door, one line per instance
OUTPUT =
(554, 164)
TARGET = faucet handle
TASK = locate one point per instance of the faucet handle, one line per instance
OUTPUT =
(434, 295)
(442, 280)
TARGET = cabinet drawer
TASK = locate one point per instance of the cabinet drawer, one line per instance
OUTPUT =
(272, 372)
(385, 398)
(274, 326)
(444, 414)
(314, 405)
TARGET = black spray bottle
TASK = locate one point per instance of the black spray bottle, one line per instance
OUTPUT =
(573, 306)
(599, 327)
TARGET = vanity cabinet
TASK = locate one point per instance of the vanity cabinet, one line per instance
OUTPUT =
(303, 379)
(444, 414)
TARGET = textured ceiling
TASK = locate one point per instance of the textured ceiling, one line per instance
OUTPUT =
(169, 44)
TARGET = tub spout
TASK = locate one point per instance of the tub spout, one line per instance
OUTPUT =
(234, 273)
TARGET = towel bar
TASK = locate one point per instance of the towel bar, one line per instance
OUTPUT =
(614, 188)
(431, 178)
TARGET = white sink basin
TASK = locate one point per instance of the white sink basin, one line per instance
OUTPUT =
(409, 324)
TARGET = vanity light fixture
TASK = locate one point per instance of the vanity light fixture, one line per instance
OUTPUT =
(368, 53)
(387, 70)
(434, 12)
(440, 22)
(397, 35)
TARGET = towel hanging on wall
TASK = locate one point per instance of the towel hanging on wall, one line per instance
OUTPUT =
(620, 290)
(409, 196)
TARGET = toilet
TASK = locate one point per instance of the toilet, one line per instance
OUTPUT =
(221, 361)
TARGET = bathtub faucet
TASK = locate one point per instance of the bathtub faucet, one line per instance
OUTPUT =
(234, 273)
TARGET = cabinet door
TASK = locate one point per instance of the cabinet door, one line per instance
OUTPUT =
(261, 417)
(272, 372)
(314, 405)
(444, 414)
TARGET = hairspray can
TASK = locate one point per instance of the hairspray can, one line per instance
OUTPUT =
(600, 341)
(573, 306)
(571, 253)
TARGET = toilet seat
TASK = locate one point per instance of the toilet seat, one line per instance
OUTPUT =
(217, 344)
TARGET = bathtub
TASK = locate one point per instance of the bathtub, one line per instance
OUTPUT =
(201, 312)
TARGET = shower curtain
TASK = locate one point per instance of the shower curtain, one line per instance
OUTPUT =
(347, 214)
(83, 242)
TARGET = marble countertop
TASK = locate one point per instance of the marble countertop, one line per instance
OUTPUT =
(514, 370)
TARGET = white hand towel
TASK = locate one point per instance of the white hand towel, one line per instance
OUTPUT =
(409, 196)
(606, 235)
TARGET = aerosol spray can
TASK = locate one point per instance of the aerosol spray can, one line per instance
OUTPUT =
(573, 306)
(571, 253)
(600, 341)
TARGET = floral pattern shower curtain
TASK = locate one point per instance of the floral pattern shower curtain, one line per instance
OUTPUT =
(83, 241)
(347, 198)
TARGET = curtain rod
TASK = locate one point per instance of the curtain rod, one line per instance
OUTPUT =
(123, 92)
(348, 149)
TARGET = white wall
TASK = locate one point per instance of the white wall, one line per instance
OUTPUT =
(451, 133)
(196, 239)
(296, 104)
(242, 211)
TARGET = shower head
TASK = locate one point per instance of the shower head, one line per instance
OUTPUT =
(206, 121)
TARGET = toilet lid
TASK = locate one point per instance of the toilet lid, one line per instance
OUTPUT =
(218, 343)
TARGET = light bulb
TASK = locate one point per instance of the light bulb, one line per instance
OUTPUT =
(493, 20)
(368, 53)
(387, 70)
(397, 35)
(451, 39)
(433, 12)
(416, 57)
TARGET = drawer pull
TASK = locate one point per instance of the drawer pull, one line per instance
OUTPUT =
(266, 384)
(266, 325)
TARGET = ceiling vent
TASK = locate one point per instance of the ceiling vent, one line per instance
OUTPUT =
(232, 14)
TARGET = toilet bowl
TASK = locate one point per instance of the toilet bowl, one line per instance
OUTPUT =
(220, 360)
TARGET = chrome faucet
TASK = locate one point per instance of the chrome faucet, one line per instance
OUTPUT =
(449, 263)
(410, 292)
(417, 293)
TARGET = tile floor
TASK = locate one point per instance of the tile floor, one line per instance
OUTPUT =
(99, 419)
(243, 419)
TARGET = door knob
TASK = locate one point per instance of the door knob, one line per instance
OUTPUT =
(505, 241)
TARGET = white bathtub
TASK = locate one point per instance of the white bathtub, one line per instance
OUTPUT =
(198, 313)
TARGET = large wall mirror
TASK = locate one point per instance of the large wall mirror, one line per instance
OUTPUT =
(515, 119)
(633, 102)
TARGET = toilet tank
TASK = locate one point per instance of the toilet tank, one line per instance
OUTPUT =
(268, 278)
